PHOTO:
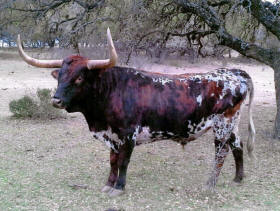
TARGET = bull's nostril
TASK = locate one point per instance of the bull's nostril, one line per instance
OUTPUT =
(56, 103)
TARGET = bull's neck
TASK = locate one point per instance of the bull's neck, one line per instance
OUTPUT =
(97, 103)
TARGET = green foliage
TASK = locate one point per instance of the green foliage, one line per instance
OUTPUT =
(44, 95)
(30, 107)
(24, 107)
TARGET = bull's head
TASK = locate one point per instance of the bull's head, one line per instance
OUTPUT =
(72, 74)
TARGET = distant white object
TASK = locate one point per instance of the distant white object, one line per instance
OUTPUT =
(3, 44)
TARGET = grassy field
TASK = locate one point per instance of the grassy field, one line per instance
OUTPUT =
(57, 165)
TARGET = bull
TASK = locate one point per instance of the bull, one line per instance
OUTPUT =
(125, 107)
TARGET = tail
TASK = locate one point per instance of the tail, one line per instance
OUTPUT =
(251, 127)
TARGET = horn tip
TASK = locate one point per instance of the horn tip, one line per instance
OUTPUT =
(19, 44)
(108, 32)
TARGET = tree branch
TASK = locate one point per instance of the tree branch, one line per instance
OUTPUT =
(210, 17)
(273, 8)
(195, 32)
(53, 5)
(88, 6)
(218, 3)
(263, 15)
(138, 43)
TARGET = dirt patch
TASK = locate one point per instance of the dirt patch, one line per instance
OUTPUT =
(41, 161)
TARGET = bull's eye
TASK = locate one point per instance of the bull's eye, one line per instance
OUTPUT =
(79, 80)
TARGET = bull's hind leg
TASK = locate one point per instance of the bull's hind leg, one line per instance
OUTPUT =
(113, 172)
(237, 150)
(223, 127)
(221, 151)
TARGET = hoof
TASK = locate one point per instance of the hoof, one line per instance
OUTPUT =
(115, 192)
(211, 184)
(238, 179)
(106, 189)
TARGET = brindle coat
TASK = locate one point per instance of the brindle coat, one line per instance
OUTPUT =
(125, 107)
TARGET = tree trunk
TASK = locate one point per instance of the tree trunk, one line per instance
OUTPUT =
(276, 132)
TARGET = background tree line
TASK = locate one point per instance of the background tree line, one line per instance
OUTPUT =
(153, 26)
(156, 28)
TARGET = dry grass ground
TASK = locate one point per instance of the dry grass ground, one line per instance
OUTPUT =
(57, 165)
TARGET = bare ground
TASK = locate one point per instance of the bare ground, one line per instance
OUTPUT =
(57, 165)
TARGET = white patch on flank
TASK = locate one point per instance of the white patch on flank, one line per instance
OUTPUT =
(163, 81)
(146, 135)
(199, 100)
(171, 134)
(201, 128)
(112, 137)
(190, 126)
(206, 124)
(182, 79)
(135, 134)
(222, 127)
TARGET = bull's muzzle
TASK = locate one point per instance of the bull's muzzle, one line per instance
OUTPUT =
(57, 103)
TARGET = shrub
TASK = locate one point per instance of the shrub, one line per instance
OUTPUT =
(46, 110)
(30, 107)
(24, 107)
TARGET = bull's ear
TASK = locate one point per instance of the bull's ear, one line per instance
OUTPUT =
(55, 74)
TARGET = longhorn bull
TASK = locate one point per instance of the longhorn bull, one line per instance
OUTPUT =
(125, 107)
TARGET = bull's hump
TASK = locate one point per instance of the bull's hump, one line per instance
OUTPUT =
(144, 76)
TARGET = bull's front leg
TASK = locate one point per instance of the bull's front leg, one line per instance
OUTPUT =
(113, 172)
(124, 155)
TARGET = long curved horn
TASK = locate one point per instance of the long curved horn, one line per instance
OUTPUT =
(37, 62)
(95, 64)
